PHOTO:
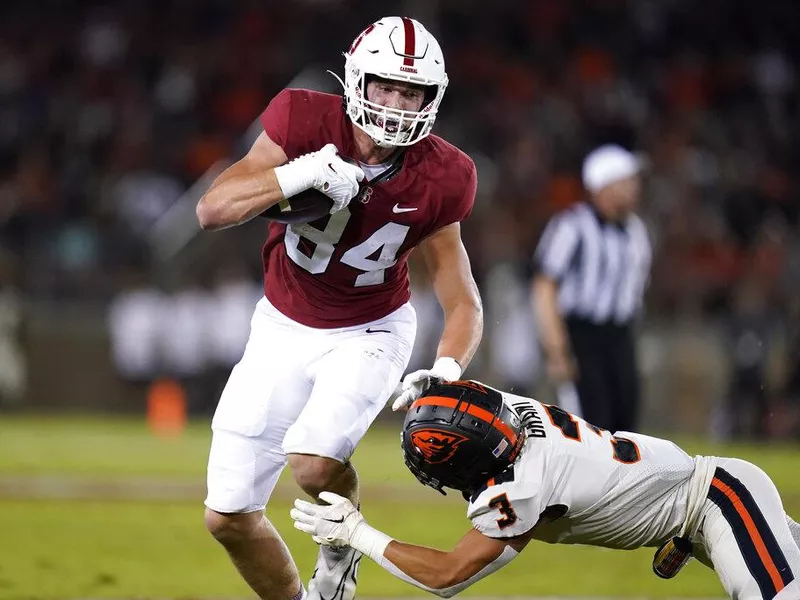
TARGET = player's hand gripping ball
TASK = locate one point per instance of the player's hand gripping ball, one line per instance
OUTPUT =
(332, 182)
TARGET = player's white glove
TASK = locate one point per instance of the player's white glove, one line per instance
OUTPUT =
(414, 384)
(331, 524)
(339, 523)
(340, 178)
(323, 170)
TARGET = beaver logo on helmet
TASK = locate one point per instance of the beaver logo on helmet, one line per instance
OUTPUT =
(437, 446)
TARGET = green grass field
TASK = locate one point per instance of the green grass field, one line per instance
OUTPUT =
(96, 508)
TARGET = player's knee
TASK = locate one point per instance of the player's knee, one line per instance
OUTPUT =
(315, 474)
(231, 528)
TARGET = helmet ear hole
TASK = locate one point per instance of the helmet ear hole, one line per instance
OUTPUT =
(431, 91)
(368, 78)
(474, 425)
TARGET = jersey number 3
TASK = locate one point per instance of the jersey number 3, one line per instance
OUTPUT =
(502, 503)
(373, 256)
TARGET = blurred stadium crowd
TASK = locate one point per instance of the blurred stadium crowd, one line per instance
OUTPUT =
(109, 114)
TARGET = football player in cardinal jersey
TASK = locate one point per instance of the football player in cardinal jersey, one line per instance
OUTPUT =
(333, 334)
(531, 471)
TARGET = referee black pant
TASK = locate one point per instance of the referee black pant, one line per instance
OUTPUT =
(608, 378)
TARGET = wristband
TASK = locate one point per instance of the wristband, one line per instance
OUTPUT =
(369, 541)
(447, 368)
(294, 177)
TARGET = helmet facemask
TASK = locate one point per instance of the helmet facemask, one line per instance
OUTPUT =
(389, 127)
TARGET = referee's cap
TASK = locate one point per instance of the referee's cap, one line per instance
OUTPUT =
(608, 164)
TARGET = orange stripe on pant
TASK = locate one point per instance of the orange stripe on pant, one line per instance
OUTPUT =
(752, 530)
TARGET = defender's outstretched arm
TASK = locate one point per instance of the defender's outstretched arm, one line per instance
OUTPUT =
(442, 573)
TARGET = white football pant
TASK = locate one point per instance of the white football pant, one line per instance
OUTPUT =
(746, 535)
(300, 390)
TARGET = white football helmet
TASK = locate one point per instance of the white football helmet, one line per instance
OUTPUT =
(401, 49)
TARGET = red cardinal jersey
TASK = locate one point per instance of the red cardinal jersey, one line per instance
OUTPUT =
(351, 267)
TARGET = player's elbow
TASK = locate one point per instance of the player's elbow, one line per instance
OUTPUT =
(448, 589)
(473, 301)
(468, 305)
(208, 215)
(477, 307)
(474, 308)
(440, 588)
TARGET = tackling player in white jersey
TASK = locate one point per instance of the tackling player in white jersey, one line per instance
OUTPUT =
(534, 471)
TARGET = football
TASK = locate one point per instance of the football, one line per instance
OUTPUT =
(301, 208)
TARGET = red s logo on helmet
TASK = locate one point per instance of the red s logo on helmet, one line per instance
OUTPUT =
(360, 37)
(436, 446)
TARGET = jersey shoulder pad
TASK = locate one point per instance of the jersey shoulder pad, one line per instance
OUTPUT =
(302, 121)
(503, 508)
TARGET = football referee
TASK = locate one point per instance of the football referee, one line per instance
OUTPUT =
(592, 264)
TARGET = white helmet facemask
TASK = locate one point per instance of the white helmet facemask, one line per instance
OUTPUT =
(397, 49)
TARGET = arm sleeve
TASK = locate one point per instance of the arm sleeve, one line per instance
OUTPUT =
(373, 543)
(557, 247)
(506, 557)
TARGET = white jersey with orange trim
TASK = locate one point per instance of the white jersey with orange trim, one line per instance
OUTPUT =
(582, 485)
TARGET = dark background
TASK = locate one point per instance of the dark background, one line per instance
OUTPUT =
(110, 113)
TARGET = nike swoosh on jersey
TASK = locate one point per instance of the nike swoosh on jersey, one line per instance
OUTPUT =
(370, 330)
(397, 210)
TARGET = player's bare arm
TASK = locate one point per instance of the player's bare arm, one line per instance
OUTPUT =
(451, 275)
(474, 557)
(263, 178)
(245, 189)
(442, 573)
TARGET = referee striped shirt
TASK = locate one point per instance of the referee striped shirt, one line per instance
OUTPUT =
(601, 268)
